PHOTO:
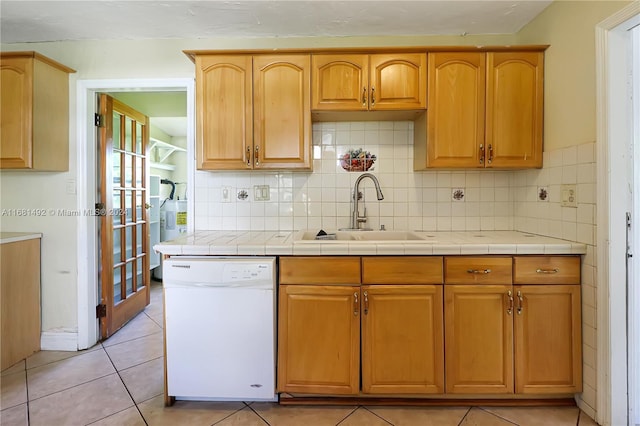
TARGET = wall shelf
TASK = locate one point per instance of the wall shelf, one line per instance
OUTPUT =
(162, 152)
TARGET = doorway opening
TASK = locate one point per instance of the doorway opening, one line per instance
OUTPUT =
(88, 261)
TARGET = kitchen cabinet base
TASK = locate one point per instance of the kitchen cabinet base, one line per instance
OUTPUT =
(296, 399)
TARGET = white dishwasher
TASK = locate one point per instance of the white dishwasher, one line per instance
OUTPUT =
(220, 328)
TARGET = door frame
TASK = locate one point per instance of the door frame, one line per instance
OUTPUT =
(612, 140)
(87, 252)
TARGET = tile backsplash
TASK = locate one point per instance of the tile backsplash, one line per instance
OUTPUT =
(433, 200)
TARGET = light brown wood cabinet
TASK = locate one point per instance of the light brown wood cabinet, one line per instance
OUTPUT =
(363, 82)
(253, 112)
(34, 112)
(484, 110)
(519, 336)
(20, 300)
(401, 324)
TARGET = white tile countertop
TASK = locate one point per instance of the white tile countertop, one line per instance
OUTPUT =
(258, 243)
(12, 237)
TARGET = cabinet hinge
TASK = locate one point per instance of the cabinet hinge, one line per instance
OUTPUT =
(98, 120)
(101, 209)
(101, 311)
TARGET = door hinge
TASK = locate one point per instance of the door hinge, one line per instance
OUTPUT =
(98, 120)
(101, 209)
(629, 253)
(101, 311)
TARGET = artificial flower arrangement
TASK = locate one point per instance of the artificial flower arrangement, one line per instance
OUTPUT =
(357, 160)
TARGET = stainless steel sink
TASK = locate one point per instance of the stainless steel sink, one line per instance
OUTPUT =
(359, 236)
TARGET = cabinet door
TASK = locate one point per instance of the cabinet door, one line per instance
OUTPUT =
(479, 339)
(398, 81)
(548, 350)
(319, 339)
(514, 109)
(224, 121)
(455, 113)
(16, 113)
(282, 112)
(402, 339)
(340, 82)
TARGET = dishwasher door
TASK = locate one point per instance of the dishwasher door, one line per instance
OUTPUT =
(220, 328)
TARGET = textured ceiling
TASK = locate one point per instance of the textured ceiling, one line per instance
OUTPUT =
(37, 21)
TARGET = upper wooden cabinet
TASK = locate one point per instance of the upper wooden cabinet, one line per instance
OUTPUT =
(34, 112)
(253, 112)
(484, 110)
(395, 81)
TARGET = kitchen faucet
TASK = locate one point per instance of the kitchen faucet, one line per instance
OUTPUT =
(356, 219)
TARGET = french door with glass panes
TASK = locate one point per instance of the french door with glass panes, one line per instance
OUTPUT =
(123, 231)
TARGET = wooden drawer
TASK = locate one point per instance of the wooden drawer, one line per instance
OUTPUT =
(320, 270)
(402, 270)
(477, 270)
(546, 270)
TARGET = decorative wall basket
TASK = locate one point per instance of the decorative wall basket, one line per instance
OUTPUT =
(357, 160)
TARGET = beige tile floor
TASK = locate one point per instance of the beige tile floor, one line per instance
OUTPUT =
(120, 382)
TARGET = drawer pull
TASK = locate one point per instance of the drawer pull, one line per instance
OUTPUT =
(356, 307)
(547, 271)
(479, 271)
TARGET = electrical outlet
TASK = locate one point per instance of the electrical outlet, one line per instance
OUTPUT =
(569, 196)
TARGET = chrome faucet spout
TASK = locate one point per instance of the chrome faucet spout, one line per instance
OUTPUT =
(356, 219)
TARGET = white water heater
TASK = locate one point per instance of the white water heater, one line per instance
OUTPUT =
(173, 219)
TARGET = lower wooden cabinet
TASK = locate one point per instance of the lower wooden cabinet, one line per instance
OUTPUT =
(491, 329)
(319, 339)
(402, 339)
(548, 342)
(479, 339)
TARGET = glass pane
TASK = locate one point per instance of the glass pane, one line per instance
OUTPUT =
(129, 242)
(116, 204)
(128, 170)
(117, 280)
(139, 138)
(139, 277)
(129, 279)
(117, 256)
(139, 206)
(139, 173)
(128, 143)
(129, 201)
(116, 169)
(139, 239)
(116, 130)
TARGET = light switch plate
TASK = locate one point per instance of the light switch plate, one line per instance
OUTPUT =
(227, 193)
(569, 196)
(261, 192)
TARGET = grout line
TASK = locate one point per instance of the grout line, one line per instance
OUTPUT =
(258, 414)
(348, 415)
(135, 404)
(376, 414)
(498, 416)
(465, 416)
(231, 414)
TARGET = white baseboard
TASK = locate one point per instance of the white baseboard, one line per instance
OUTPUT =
(58, 341)
(589, 411)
